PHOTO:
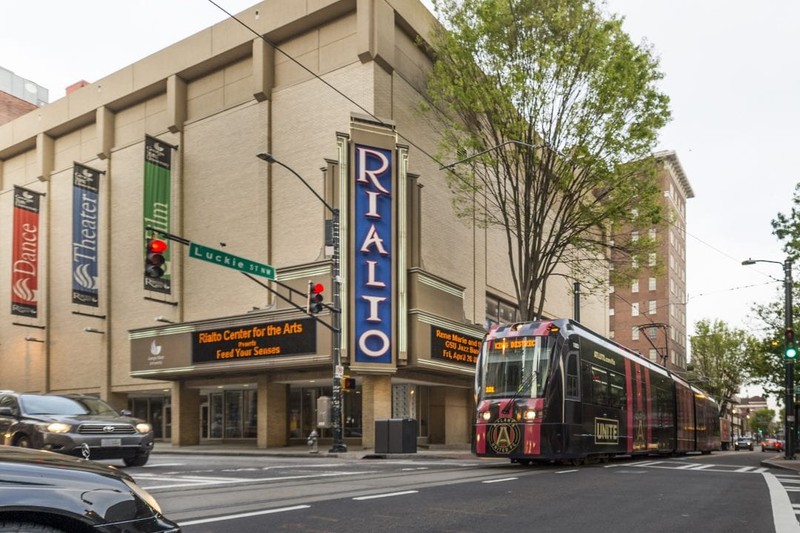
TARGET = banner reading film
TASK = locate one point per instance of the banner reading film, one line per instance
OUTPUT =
(25, 254)
(85, 218)
(157, 204)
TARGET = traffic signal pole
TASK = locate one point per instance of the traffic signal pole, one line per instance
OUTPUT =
(790, 353)
(336, 312)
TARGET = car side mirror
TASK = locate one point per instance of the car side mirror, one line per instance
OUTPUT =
(6, 411)
(125, 412)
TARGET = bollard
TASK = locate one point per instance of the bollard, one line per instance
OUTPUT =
(313, 444)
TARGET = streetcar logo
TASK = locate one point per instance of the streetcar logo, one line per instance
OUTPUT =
(606, 431)
(504, 435)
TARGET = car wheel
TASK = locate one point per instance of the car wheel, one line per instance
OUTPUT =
(23, 442)
(26, 527)
(136, 460)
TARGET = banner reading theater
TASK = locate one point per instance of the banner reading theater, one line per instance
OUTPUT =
(85, 218)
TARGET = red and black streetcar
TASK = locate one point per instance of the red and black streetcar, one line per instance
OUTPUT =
(556, 391)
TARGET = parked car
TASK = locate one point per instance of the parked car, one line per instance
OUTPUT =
(48, 492)
(772, 444)
(744, 443)
(84, 426)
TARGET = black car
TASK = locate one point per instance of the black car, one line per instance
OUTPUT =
(46, 492)
(744, 443)
(84, 426)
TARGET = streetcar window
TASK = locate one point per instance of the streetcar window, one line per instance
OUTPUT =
(516, 366)
(572, 377)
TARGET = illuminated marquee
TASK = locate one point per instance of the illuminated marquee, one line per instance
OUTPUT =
(374, 310)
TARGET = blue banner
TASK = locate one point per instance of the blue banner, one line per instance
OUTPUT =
(373, 270)
(85, 238)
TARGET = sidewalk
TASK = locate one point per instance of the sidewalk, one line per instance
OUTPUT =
(357, 452)
(778, 461)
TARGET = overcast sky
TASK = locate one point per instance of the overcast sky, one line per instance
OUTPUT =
(731, 71)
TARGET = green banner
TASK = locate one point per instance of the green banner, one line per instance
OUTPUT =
(157, 204)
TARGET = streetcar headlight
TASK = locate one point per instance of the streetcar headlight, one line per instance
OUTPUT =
(486, 415)
(530, 414)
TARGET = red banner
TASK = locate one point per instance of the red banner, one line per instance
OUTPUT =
(25, 253)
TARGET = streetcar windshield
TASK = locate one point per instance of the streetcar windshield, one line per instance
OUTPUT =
(515, 366)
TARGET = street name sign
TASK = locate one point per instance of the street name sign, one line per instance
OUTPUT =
(218, 257)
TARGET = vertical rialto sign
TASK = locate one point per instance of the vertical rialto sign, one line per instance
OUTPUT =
(25, 254)
(157, 203)
(85, 217)
(373, 312)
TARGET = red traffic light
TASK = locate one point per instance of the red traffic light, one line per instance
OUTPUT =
(314, 302)
(154, 258)
(156, 246)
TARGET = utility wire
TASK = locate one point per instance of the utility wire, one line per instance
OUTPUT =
(412, 143)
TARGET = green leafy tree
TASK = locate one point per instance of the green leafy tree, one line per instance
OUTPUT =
(766, 365)
(762, 421)
(554, 112)
(787, 226)
(719, 360)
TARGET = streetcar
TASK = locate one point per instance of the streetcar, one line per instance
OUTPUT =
(554, 390)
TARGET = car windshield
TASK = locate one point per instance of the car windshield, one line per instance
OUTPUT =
(516, 366)
(96, 406)
(50, 405)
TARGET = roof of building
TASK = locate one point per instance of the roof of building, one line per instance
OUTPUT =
(672, 158)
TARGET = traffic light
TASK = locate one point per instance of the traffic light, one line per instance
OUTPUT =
(349, 383)
(791, 347)
(314, 302)
(154, 259)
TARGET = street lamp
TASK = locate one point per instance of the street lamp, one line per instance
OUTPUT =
(788, 355)
(336, 312)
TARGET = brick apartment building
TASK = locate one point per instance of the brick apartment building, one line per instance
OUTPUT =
(649, 315)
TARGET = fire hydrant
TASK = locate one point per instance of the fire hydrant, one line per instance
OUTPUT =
(313, 444)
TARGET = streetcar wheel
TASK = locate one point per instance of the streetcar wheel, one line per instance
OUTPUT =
(524, 462)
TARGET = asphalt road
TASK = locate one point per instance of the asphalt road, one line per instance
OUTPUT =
(722, 492)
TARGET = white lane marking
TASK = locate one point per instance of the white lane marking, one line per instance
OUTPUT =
(499, 480)
(782, 512)
(242, 515)
(387, 495)
(195, 481)
(567, 471)
(155, 465)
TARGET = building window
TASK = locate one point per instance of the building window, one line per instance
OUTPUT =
(635, 285)
(653, 354)
(499, 312)
(635, 333)
(651, 284)
(611, 311)
(651, 260)
(651, 307)
(635, 309)
(651, 333)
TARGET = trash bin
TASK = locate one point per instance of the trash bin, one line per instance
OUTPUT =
(402, 435)
(381, 436)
